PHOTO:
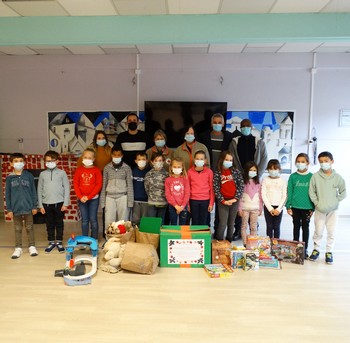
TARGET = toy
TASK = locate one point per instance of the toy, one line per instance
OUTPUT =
(119, 227)
(114, 252)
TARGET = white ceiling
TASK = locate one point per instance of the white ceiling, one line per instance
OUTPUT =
(24, 8)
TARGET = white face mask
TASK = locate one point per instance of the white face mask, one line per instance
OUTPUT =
(301, 166)
(158, 165)
(227, 164)
(274, 172)
(116, 160)
(101, 142)
(252, 174)
(87, 162)
(18, 165)
(141, 164)
(325, 166)
(199, 163)
(177, 171)
(189, 138)
(51, 165)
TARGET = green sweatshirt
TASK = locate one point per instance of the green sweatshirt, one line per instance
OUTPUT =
(326, 191)
(298, 191)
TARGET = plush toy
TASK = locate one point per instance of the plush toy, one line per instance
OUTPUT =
(114, 251)
(119, 227)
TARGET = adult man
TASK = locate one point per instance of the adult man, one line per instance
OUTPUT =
(244, 149)
(132, 140)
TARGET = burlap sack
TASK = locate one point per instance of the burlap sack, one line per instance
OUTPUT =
(124, 237)
(220, 252)
(148, 238)
(140, 258)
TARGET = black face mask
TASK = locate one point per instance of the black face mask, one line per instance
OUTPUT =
(132, 126)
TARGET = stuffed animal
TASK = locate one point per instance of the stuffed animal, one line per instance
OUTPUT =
(119, 227)
(114, 251)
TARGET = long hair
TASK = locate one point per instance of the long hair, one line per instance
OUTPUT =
(179, 160)
(222, 159)
(246, 169)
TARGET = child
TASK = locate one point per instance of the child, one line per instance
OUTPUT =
(140, 207)
(327, 189)
(53, 199)
(21, 203)
(274, 195)
(117, 195)
(299, 204)
(250, 206)
(177, 192)
(228, 188)
(155, 187)
(87, 185)
(200, 179)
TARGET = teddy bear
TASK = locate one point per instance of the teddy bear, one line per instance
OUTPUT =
(112, 258)
(119, 227)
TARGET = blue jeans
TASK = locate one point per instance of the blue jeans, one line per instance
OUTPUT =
(155, 211)
(199, 212)
(177, 219)
(88, 212)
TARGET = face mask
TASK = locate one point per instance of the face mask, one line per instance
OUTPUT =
(189, 138)
(87, 163)
(132, 126)
(301, 166)
(141, 164)
(101, 142)
(116, 160)
(18, 165)
(217, 127)
(252, 174)
(159, 143)
(158, 165)
(274, 173)
(199, 163)
(325, 166)
(246, 131)
(51, 165)
(177, 171)
(227, 164)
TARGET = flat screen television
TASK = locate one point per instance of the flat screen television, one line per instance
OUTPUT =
(174, 116)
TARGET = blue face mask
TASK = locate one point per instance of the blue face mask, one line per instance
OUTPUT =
(159, 143)
(199, 163)
(274, 172)
(227, 164)
(246, 131)
(252, 174)
(217, 127)
(189, 138)
(101, 142)
(301, 166)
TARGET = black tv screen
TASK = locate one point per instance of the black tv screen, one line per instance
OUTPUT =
(174, 116)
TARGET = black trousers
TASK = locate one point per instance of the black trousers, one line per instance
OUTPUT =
(273, 223)
(54, 221)
(301, 219)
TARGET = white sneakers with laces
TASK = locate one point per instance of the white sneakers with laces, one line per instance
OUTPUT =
(32, 251)
(17, 253)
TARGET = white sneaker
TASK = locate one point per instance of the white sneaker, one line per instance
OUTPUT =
(32, 251)
(17, 253)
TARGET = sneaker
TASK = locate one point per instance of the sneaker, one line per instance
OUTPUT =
(32, 251)
(306, 255)
(314, 255)
(60, 247)
(17, 253)
(329, 258)
(50, 247)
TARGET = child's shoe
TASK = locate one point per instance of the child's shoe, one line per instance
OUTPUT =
(32, 251)
(329, 258)
(17, 253)
(314, 255)
(60, 247)
(50, 247)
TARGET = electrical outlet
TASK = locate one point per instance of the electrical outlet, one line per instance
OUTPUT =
(20, 140)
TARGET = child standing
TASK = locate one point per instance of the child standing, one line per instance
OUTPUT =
(87, 185)
(327, 189)
(21, 203)
(299, 204)
(155, 187)
(53, 199)
(250, 206)
(177, 192)
(228, 188)
(274, 195)
(117, 195)
(140, 207)
(200, 179)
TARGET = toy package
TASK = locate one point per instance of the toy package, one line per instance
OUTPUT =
(270, 263)
(220, 252)
(261, 243)
(218, 270)
(251, 260)
(288, 251)
(237, 259)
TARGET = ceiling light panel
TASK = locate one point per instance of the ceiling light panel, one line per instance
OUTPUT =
(29, 8)
(88, 7)
(140, 7)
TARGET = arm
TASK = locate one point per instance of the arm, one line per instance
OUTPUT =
(66, 187)
(40, 193)
(290, 190)
(262, 159)
(187, 192)
(211, 191)
(341, 189)
(313, 191)
(284, 195)
(76, 183)
(169, 197)
(34, 196)
(98, 183)
(264, 194)
(129, 187)
(238, 179)
(104, 185)
(217, 186)
(8, 196)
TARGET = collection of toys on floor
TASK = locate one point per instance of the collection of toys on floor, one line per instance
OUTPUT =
(137, 250)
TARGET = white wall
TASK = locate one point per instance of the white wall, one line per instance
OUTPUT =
(30, 86)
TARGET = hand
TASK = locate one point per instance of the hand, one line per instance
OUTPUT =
(84, 199)
(42, 210)
(260, 213)
(178, 209)
(276, 212)
(240, 213)
(10, 215)
(34, 211)
(290, 211)
(210, 208)
(64, 208)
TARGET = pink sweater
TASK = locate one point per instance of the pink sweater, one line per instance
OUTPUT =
(201, 184)
(251, 199)
(177, 191)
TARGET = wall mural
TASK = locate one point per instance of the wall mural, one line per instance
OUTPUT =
(274, 127)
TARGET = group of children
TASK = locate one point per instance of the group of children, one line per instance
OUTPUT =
(151, 188)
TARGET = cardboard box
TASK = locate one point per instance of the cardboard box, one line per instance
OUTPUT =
(185, 246)
(261, 243)
(251, 260)
(218, 270)
(220, 252)
(237, 259)
(288, 251)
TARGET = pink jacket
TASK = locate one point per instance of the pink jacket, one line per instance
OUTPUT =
(201, 184)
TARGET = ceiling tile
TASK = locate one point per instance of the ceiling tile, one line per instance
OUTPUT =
(190, 49)
(88, 7)
(155, 49)
(36, 8)
(17, 50)
(226, 48)
(299, 47)
(261, 49)
(50, 50)
(140, 7)
(298, 6)
(337, 6)
(85, 50)
(6, 11)
(119, 49)
(244, 6)
(193, 6)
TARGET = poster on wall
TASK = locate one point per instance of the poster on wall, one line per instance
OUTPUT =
(72, 132)
(274, 127)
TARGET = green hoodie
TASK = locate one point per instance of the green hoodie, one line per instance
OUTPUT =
(326, 191)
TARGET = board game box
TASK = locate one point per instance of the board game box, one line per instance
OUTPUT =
(288, 251)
